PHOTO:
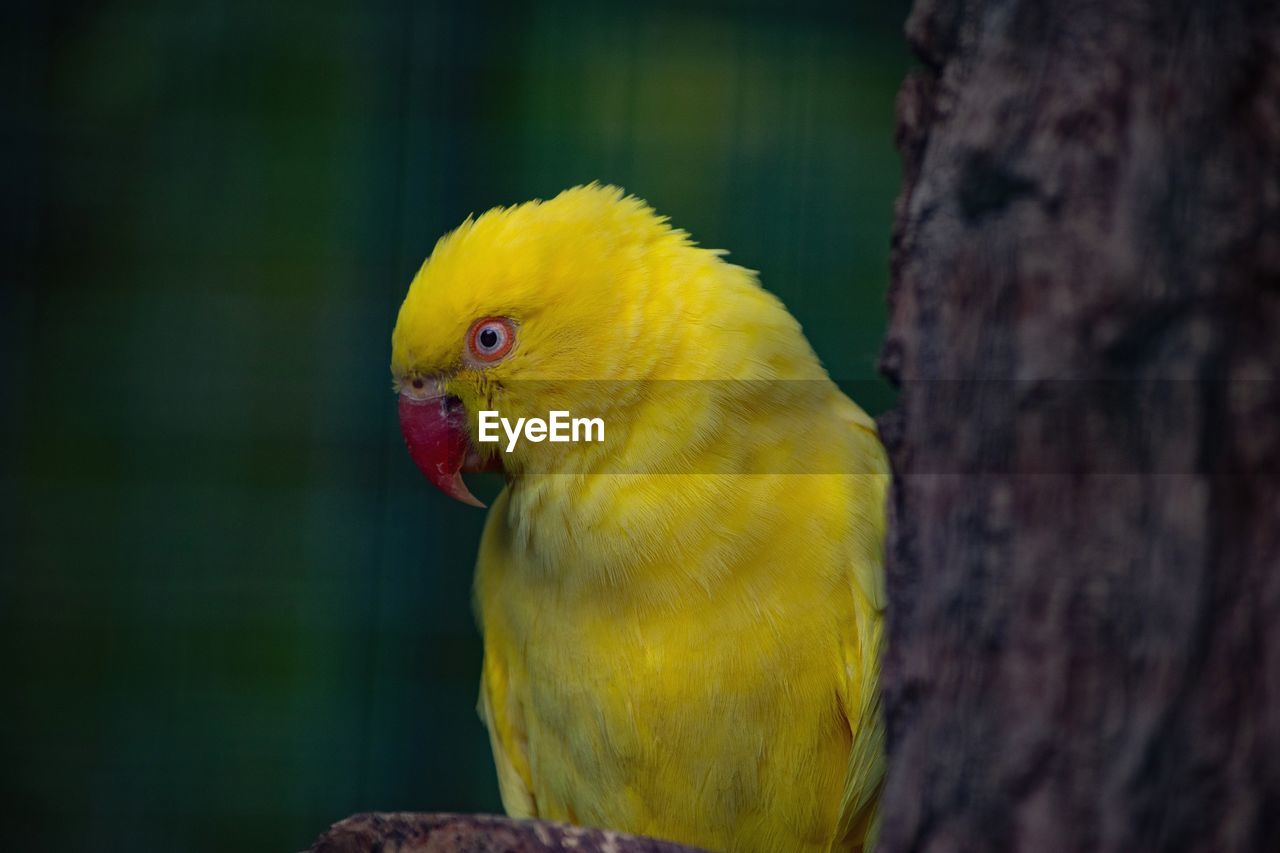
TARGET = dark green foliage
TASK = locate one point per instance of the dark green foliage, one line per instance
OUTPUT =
(231, 610)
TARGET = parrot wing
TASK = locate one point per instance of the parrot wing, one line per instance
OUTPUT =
(498, 707)
(508, 753)
(859, 810)
(859, 813)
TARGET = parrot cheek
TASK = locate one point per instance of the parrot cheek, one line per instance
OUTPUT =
(435, 431)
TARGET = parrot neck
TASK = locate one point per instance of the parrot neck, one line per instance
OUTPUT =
(662, 522)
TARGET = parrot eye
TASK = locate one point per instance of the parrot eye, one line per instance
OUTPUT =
(491, 338)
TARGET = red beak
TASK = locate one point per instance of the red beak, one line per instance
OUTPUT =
(435, 430)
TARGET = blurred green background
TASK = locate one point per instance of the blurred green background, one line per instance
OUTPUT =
(231, 610)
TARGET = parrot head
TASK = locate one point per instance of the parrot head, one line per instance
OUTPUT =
(517, 311)
(584, 304)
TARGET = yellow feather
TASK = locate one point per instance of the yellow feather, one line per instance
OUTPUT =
(682, 625)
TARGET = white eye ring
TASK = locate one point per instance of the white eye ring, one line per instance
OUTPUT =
(491, 338)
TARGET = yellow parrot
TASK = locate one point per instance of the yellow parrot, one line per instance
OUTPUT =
(682, 621)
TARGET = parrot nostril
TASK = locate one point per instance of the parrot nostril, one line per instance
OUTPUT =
(419, 388)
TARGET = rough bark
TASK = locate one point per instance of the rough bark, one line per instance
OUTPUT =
(1084, 557)
(405, 832)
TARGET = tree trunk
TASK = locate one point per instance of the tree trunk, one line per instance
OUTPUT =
(1084, 557)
